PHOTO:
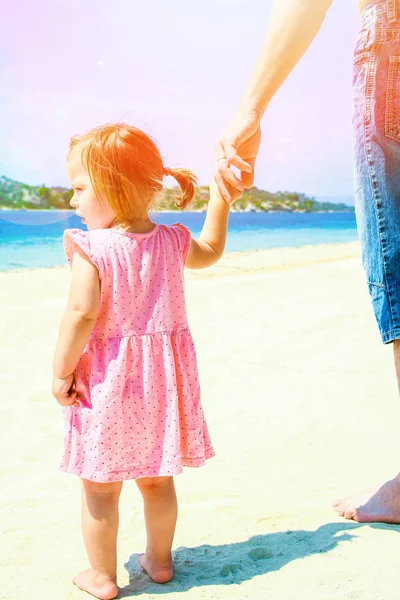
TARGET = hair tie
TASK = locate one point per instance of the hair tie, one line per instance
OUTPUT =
(167, 171)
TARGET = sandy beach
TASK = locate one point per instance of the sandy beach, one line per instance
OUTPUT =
(301, 402)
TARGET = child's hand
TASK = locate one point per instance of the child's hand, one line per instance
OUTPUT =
(233, 193)
(64, 391)
(238, 147)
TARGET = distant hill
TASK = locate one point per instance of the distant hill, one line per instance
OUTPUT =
(349, 200)
(14, 194)
(17, 195)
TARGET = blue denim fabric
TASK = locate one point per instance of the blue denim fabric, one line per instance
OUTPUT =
(376, 128)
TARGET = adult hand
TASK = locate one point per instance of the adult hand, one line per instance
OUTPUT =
(64, 391)
(237, 147)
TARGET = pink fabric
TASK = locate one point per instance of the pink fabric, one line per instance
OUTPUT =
(140, 413)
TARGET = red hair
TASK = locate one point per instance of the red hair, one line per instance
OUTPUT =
(125, 167)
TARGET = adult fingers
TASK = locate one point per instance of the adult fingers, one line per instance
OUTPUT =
(219, 154)
(234, 159)
(241, 164)
(225, 155)
(229, 176)
(248, 178)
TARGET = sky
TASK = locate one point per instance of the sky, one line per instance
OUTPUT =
(177, 70)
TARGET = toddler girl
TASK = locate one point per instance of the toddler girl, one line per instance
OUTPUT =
(125, 364)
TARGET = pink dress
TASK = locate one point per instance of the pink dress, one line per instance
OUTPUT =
(140, 413)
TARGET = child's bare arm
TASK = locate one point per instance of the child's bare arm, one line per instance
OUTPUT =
(209, 248)
(80, 315)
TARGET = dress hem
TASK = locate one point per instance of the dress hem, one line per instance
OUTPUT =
(137, 473)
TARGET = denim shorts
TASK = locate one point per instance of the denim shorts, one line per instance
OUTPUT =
(376, 130)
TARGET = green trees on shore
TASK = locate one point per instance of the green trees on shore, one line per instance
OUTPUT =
(17, 195)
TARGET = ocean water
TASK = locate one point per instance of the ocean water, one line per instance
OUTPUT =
(31, 239)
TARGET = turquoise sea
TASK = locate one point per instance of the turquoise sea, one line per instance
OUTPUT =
(31, 239)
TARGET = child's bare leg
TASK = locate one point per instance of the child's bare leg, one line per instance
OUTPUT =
(160, 513)
(100, 528)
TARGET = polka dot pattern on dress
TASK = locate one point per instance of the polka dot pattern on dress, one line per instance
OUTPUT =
(140, 412)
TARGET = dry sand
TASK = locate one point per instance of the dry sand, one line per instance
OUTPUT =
(301, 402)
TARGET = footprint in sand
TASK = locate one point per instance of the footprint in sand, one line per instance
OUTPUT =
(259, 554)
(228, 569)
(255, 554)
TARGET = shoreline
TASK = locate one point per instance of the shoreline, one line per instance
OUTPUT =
(264, 258)
(179, 211)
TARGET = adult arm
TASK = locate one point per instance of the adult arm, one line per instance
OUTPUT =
(292, 27)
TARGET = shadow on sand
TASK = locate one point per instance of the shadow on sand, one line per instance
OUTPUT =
(241, 561)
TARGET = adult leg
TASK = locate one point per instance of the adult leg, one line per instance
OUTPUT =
(100, 528)
(381, 503)
(160, 513)
(376, 127)
(396, 352)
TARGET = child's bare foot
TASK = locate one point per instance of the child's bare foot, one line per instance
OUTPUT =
(157, 573)
(97, 584)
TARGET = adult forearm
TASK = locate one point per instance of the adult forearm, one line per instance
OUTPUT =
(292, 27)
(74, 333)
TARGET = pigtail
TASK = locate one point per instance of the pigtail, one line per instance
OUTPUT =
(186, 181)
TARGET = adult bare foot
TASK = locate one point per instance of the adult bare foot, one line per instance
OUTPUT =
(97, 584)
(380, 504)
(157, 573)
